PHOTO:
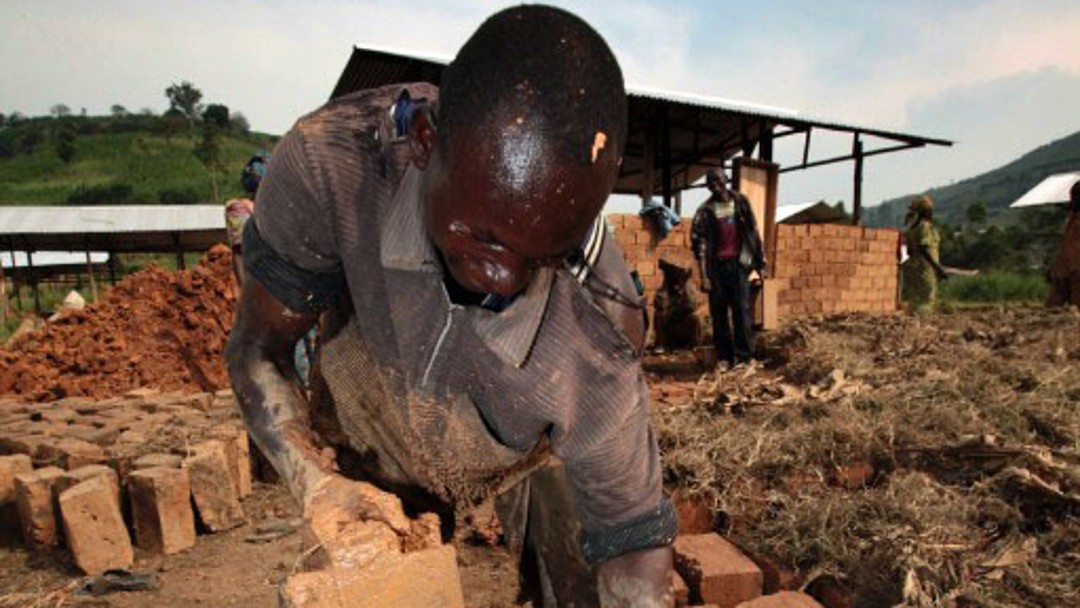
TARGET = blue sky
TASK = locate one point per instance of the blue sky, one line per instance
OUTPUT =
(999, 76)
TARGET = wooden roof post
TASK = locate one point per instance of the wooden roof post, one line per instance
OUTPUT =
(90, 271)
(34, 281)
(665, 156)
(857, 152)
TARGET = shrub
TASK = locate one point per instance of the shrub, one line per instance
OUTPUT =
(178, 196)
(994, 287)
(109, 194)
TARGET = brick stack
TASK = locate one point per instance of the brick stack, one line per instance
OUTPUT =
(830, 268)
(68, 467)
(643, 252)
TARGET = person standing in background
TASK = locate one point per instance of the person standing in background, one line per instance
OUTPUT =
(727, 247)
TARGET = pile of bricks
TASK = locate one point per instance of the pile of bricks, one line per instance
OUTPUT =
(87, 474)
(828, 268)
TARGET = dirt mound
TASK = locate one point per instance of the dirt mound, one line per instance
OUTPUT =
(156, 328)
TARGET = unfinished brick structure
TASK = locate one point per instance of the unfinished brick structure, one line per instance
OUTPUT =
(816, 268)
(828, 268)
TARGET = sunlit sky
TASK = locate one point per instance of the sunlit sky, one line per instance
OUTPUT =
(1000, 77)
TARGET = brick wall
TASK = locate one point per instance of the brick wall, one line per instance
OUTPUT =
(827, 268)
(643, 253)
(820, 268)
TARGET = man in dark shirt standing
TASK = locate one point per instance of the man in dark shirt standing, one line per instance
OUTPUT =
(474, 318)
(727, 247)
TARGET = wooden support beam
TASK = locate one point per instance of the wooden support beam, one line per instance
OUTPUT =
(90, 271)
(665, 157)
(857, 152)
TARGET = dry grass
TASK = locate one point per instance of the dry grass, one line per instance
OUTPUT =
(952, 411)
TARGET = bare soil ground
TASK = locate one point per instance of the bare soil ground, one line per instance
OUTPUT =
(898, 460)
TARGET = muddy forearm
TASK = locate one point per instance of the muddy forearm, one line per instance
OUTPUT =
(276, 419)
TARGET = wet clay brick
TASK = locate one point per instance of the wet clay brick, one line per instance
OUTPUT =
(212, 487)
(37, 507)
(420, 579)
(70, 453)
(161, 509)
(10, 466)
(238, 455)
(716, 571)
(147, 461)
(76, 476)
(94, 527)
(784, 599)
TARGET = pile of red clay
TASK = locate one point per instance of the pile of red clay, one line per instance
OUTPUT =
(156, 328)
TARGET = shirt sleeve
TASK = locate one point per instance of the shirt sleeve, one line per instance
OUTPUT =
(612, 460)
(290, 247)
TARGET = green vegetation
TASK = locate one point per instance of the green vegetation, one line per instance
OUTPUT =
(993, 191)
(124, 158)
(994, 288)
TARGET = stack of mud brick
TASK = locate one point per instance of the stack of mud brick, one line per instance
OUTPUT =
(89, 475)
(831, 268)
(644, 250)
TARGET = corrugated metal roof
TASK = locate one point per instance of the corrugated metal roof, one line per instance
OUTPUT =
(111, 219)
(1052, 190)
(44, 259)
(133, 228)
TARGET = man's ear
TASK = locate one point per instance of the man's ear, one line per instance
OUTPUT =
(422, 136)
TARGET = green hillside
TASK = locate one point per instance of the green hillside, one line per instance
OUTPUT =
(994, 189)
(128, 160)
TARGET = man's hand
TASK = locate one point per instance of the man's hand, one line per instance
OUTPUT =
(641, 579)
(336, 502)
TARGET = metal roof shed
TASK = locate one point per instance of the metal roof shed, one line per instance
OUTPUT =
(113, 229)
(109, 229)
(673, 138)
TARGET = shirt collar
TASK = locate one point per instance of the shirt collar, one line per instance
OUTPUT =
(404, 245)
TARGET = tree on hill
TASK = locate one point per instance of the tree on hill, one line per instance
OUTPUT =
(184, 97)
(208, 151)
(65, 141)
(976, 213)
(118, 111)
(217, 114)
(172, 123)
(239, 123)
(60, 110)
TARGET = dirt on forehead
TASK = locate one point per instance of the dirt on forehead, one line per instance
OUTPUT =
(155, 328)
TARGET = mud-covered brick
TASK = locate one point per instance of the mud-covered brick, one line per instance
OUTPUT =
(420, 579)
(94, 527)
(238, 454)
(716, 571)
(70, 453)
(212, 488)
(76, 476)
(784, 599)
(161, 509)
(147, 461)
(37, 506)
(10, 466)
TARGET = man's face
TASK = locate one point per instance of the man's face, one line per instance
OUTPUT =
(716, 183)
(500, 209)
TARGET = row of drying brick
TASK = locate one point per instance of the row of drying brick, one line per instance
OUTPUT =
(78, 431)
(83, 507)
